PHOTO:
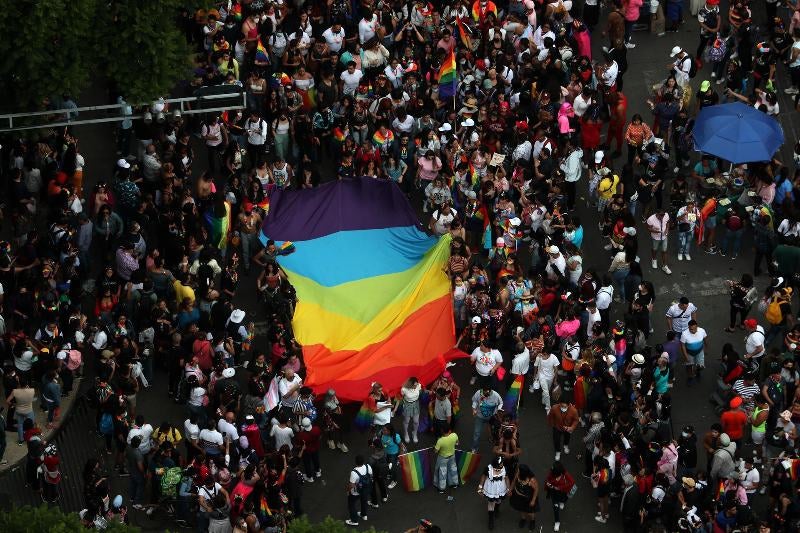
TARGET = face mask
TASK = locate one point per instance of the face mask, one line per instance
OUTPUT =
(563, 409)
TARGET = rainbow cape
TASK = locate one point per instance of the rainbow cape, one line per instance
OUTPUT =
(416, 469)
(467, 464)
(479, 14)
(309, 97)
(511, 401)
(379, 140)
(261, 53)
(373, 301)
(219, 227)
(236, 11)
(447, 76)
(364, 417)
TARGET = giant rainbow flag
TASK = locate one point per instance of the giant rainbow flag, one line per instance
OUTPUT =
(373, 299)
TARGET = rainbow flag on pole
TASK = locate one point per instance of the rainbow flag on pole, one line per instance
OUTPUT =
(511, 401)
(467, 464)
(219, 227)
(447, 76)
(464, 32)
(416, 469)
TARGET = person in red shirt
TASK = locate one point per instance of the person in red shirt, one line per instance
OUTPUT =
(734, 421)
(310, 437)
(559, 483)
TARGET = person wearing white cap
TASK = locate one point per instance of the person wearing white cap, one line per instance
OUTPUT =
(681, 66)
(556, 268)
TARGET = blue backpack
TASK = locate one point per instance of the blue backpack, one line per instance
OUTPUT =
(106, 424)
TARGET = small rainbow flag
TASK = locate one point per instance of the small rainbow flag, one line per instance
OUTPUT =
(447, 76)
(339, 135)
(511, 401)
(219, 227)
(309, 97)
(467, 464)
(236, 11)
(286, 248)
(264, 506)
(473, 174)
(364, 417)
(261, 53)
(464, 32)
(381, 140)
(280, 78)
(416, 469)
(264, 205)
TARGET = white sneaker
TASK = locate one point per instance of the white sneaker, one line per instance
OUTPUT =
(566, 450)
(676, 170)
(373, 505)
(556, 526)
(558, 456)
(343, 447)
(688, 257)
(680, 258)
(351, 523)
(666, 269)
(561, 505)
(414, 438)
(308, 479)
(654, 263)
(319, 473)
(630, 45)
(721, 81)
(601, 519)
(393, 484)
(364, 517)
(406, 439)
(607, 247)
(790, 90)
(713, 74)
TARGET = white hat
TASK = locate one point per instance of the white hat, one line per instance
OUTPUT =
(471, 195)
(61, 355)
(445, 127)
(610, 359)
(500, 242)
(237, 316)
(305, 424)
(468, 123)
(228, 373)
(476, 320)
(79, 336)
(604, 171)
(122, 163)
(598, 156)
(675, 51)
(469, 78)
(629, 231)
(553, 249)
(515, 221)
(638, 358)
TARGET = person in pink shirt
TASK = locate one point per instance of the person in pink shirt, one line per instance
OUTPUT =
(568, 327)
(581, 35)
(631, 9)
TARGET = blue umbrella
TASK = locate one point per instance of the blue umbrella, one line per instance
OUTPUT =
(737, 132)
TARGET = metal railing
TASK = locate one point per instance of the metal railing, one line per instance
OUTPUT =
(175, 108)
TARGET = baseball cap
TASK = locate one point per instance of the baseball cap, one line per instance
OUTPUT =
(675, 51)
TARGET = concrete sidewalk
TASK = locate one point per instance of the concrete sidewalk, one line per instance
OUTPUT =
(16, 453)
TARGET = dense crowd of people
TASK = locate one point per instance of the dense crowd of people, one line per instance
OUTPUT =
(139, 274)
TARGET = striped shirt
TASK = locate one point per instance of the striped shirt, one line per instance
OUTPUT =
(746, 392)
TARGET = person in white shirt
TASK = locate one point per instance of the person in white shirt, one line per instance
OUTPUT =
(256, 129)
(486, 360)
(227, 427)
(143, 430)
(281, 432)
(681, 66)
(658, 225)
(604, 297)
(593, 317)
(355, 495)
(394, 72)
(442, 218)
(211, 441)
(409, 395)
(288, 388)
(751, 477)
(545, 365)
(350, 79)
(573, 169)
(334, 37)
(679, 314)
(556, 268)
(367, 26)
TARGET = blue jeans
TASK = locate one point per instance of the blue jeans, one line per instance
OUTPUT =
(736, 237)
(477, 430)
(446, 472)
(137, 488)
(619, 277)
(774, 331)
(20, 421)
(684, 242)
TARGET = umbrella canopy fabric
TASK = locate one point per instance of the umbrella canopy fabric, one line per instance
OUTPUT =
(737, 132)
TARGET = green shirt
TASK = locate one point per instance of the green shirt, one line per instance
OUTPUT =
(446, 446)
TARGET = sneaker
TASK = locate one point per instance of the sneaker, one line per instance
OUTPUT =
(680, 257)
(319, 473)
(343, 447)
(654, 263)
(713, 74)
(723, 253)
(406, 439)
(556, 526)
(630, 45)
(791, 90)
(566, 450)
(350, 522)
(308, 479)
(712, 250)
(138, 506)
(558, 456)
(393, 484)
(676, 170)
(414, 438)
(733, 257)
(601, 519)
(123, 473)
(607, 247)
(331, 445)
(385, 499)
(561, 505)
(666, 269)
(373, 505)
(364, 517)
(688, 257)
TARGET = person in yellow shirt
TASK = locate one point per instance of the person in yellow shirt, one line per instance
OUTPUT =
(183, 290)
(606, 189)
(446, 471)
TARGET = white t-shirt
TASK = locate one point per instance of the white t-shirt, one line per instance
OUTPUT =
(209, 438)
(334, 40)
(485, 361)
(693, 341)
(751, 479)
(145, 432)
(659, 229)
(229, 429)
(547, 366)
(593, 319)
(441, 222)
(754, 340)
(196, 396)
(411, 395)
(354, 477)
(680, 318)
(350, 81)
(366, 29)
(283, 387)
(191, 431)
(384, 416)
(282, 436)
(521, 362)
(605, 295)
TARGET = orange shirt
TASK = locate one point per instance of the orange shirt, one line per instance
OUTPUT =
(733, 423)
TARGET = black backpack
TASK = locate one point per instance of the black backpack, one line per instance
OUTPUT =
(205, 275)
(364, 480)
(692, 66)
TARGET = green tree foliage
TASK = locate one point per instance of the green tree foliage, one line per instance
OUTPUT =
(141, 48)
(47, 52)
(51, 520)
(329, 525)
(57, 47)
